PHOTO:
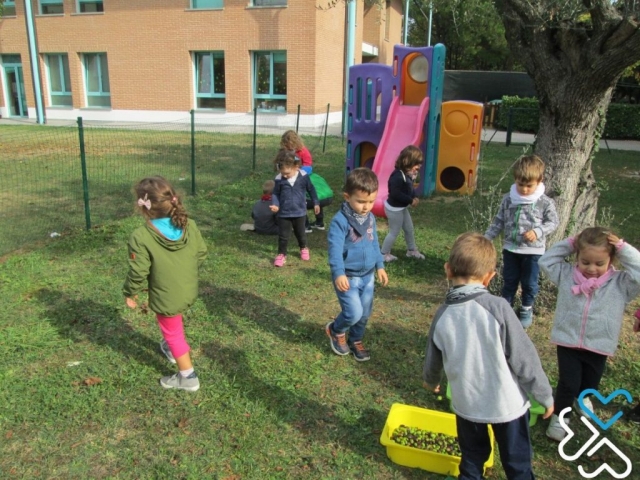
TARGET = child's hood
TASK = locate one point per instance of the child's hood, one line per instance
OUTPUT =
(171, 245)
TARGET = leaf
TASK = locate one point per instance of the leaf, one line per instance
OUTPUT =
(91, 381)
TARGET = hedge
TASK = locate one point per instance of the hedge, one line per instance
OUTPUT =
(623, 120)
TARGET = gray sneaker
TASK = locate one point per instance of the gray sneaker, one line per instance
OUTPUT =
(190, 384)
(164, 348)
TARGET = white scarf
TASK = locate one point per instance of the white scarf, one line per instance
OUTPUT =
(518, 199)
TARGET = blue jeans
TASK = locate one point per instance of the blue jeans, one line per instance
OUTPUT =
(518, 268)
(356, 304)
(513, 442)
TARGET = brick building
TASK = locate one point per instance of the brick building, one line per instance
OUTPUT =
(154, 60)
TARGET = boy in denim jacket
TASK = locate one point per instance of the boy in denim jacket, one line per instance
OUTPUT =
(354, 256)
(526, 216)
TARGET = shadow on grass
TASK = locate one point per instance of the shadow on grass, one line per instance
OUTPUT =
(80, 319)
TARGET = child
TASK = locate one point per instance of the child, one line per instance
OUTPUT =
(265, 221)
(526, 216)
(290, 140)
(289, 201)
(401, 196)
(589, 310)
(164, 255)
(490, 363)
(354, 256)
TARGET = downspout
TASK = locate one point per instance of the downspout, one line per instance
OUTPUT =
(35, 63)
(351, 48)
(406, 22)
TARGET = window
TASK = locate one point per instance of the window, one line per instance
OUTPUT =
(210, 92)
(97, 80)
(59, 80)
(207, 4)
(270, 81)
(90, 6)
(8, 8)
(51, 7)
(269, 3)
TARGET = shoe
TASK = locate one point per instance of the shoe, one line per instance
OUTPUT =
(415, 254)
(389, 258)
(338, 341)
(587, 403)
(164, 348)
(308, 229)
(280, 260)
(318, 226)
(304, 254)
(555, 430)
(526, 317)
(247, 227)
(360, 353)
(634, 415)
(190, 383)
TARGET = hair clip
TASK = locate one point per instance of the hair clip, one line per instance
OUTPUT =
(174, 200)
(145, 202)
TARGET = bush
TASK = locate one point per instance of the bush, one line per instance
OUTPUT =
(623, 120)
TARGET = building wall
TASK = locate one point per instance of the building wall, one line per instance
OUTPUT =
(150, 44)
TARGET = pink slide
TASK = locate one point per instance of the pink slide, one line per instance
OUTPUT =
(404, 127)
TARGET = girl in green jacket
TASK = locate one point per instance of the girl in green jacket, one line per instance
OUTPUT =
(164, 255)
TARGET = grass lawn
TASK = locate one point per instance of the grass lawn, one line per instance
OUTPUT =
(79, 392)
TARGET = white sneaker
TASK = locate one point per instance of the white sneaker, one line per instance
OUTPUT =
(415, 254)
(389, 258)
(555, 430)
(587, 403)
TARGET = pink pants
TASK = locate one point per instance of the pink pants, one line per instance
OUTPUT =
(173, 333)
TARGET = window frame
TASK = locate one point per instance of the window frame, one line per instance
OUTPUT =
(192, 5)
(65, 92)
(80, 2)
(269, 3)
(42, 3)
(101, 93)
(266, 97)
(212, 93)
(8, 4)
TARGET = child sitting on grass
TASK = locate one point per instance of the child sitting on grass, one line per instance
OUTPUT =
(490, 363)
(265, 221)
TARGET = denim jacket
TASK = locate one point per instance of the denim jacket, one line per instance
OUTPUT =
(292, 200)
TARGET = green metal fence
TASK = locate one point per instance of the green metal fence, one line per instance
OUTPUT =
(57, 179)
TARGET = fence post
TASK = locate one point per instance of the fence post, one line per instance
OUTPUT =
(85, 181)
(509, 126)
(298, 118)
(255, 134)
(326, 126)
(193, 151)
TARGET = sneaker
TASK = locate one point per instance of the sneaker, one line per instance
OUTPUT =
(587, 403)
(164, 348)
(360, 353)
(415, 254)
(308, 229)
(634, 415)
(389, 258)
(280, 260)
(338, 341)
(555, 430)
(318, 226)
(526, 317)
(304, 254)
(190, 383)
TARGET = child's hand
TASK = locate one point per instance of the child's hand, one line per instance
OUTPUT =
(316, 209)
(342, 283)
(274, 208)
(530, 236)
(415, 202)
(548, 412)
(613, 239)
(131, 302)
(434, 389)
(382, 277)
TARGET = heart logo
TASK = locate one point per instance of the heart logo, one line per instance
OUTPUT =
(604, 401)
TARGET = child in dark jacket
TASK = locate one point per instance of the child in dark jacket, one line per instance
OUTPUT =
(401, 197)
(265, 221)
(354, 256)
(490, 363)
(164, 255)
(289, 201)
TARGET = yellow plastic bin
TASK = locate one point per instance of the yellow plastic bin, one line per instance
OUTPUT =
(431, 421)
(534, 410)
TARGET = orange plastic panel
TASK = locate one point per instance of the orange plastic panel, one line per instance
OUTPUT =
(415, 73)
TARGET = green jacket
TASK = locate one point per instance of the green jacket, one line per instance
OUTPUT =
(169, 268)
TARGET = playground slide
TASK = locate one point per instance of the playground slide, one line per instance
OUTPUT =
(405, 125)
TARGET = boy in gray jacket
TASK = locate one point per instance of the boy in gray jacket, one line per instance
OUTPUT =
(490, 363)
(526, 216)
